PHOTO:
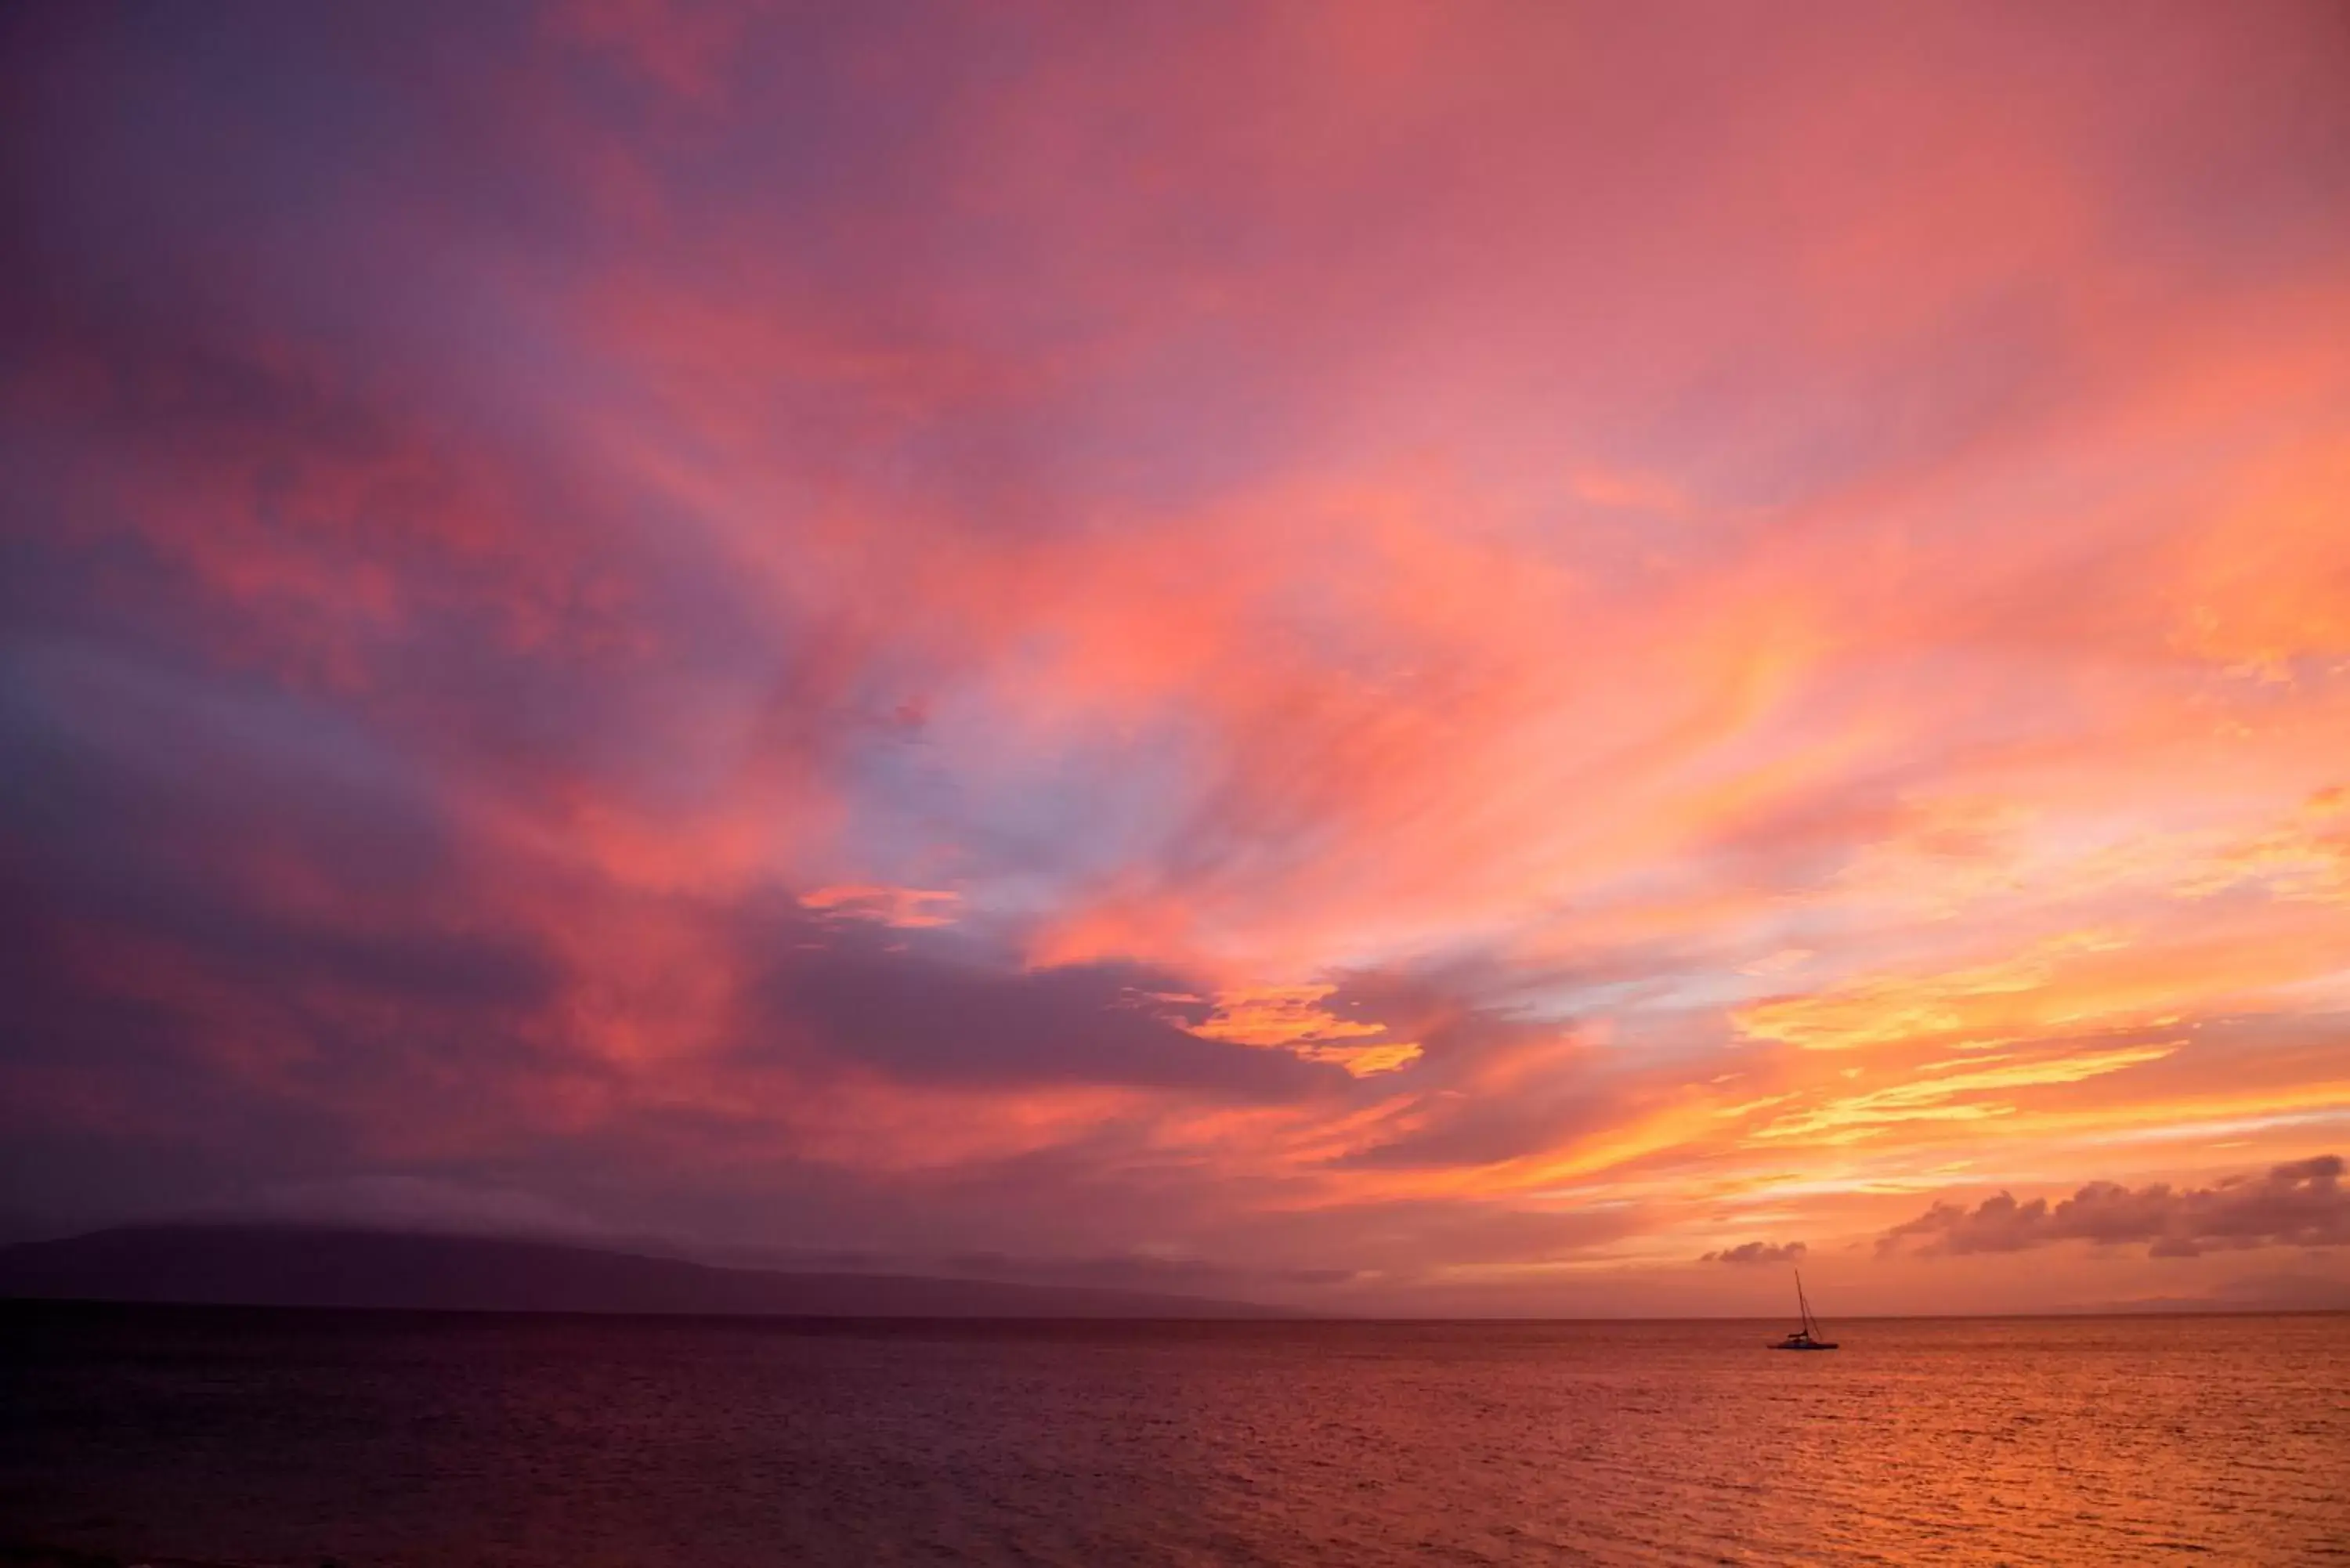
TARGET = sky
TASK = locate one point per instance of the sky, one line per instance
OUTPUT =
(1483, 658)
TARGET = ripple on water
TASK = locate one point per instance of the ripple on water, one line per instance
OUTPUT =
(388, 1441)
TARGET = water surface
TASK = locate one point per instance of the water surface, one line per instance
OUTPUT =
(402, 1442)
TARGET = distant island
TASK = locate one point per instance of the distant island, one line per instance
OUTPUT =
(310, 1266)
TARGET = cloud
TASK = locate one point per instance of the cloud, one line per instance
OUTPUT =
(1991, 1000)
(2299, 1204)
(1752, 1254)
(1966, 1089)
(1291, 1018)
(912, 908)
(727, 660)
(928, 1013)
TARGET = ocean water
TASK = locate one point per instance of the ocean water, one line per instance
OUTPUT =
(385, 1440)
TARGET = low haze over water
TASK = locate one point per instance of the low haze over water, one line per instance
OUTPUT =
(389, 1439)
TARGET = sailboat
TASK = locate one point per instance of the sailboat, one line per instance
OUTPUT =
(1803, 1338)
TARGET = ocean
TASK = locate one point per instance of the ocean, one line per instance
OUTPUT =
(386, 1440)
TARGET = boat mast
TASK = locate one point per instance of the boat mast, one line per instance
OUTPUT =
(1803, 1307)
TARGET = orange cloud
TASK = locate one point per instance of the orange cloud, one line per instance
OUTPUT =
(910, 909)
(1291, 1018)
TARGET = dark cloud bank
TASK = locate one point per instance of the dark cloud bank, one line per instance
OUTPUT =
(1755, 1253)
(2300, 1204)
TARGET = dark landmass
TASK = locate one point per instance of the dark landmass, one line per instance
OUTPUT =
(35, 1555)
(2255, 1294)
(296, 1266)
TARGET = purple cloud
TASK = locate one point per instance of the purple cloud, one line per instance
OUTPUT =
(2299, 1204)
(1752, 1254)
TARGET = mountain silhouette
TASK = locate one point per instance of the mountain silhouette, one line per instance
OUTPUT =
(309, 1266)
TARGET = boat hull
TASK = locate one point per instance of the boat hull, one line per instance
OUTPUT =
(1803, 1347)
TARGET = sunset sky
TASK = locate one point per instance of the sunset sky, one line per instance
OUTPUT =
(1425, 657)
